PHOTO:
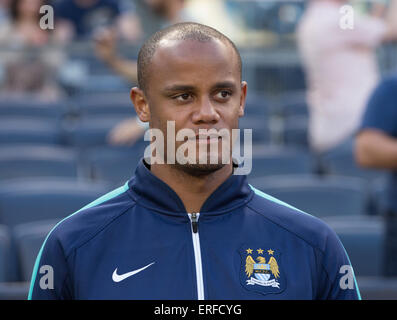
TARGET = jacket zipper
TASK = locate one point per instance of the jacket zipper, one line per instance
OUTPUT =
(197, 254)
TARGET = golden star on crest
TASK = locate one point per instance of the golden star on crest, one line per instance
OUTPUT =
(270, 251)
(249, 251)
(260, 251)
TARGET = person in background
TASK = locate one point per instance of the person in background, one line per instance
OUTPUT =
(156, 14)
(22, 28)
(4, 5)
(376, 147)
(83, 17)
(29, 79)
(29, 58)
(152, 14)
(341, 69)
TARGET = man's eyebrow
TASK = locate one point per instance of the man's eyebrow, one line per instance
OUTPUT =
(225, 84)
(179, 87)
(183, 87)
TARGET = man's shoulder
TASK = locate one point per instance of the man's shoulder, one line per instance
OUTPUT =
(386, 90)
(314, 231)
(388, 85)
(381, 111)
(84, 224)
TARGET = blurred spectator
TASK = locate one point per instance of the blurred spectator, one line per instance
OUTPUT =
(4, 5)
(29, 79)
(376, 147)
(127, 132)
(224, 17)
(22, 28)
(341, 69)
(83, 17)
(28, 64)
(157, 14)
(106, 50)
(153, 15)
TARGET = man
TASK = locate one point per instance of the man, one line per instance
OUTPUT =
(376, 147)
(341, 69)
(194, 230)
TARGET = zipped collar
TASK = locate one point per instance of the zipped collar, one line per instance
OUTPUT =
(151, 192)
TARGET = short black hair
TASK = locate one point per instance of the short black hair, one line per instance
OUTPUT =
(178, 31)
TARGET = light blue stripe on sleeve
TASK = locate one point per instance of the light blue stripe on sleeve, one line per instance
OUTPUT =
(106, 197)
(269, 197)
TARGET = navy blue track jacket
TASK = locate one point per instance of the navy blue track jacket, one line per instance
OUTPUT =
(138, 242)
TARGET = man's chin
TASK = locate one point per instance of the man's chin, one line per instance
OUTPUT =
(200, 169)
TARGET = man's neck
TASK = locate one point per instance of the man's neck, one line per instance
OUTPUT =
(193, 190)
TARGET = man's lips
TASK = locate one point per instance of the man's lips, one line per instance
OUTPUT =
(212, 136)
(208, 135)
(206, 138)
(209, 140)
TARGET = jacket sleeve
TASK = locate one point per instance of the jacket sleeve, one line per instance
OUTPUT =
(51, 277)
(336, 275)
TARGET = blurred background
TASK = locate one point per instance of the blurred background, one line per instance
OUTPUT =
(68, 131)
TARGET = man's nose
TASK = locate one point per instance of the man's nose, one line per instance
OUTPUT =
(206, 112)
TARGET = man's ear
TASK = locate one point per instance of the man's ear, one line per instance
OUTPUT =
(242, 98)
(141, 105)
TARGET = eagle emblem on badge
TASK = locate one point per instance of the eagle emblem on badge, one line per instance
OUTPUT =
(261, 270)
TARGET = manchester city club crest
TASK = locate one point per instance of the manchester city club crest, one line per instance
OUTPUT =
(261, 270)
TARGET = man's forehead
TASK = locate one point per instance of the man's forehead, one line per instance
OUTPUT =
(185, 50)
(180, 57)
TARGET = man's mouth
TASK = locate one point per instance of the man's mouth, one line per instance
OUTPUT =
(210, 138)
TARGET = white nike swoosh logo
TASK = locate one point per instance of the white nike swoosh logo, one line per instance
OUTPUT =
(120, 277)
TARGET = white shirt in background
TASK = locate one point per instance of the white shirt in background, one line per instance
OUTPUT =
(341, 70)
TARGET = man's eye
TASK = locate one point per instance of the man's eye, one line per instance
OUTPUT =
(223, 94)
(183, 97)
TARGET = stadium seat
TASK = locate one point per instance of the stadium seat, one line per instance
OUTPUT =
(295, 131)
(115, 165)
(343, 163)
(378, 288)
(291, 104)
(14, 290)
(90, 131)
(259, 126)
(321, 197)
(4, 251)
(105, 104)
(274, 160)
(26, 200)
(256, 105)
(268, 14)
(28, 238)
(379, 196)
(99, 83)
(37, 161)
(292, 78)
(37, 110)
(363, 239)
(24, 130)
